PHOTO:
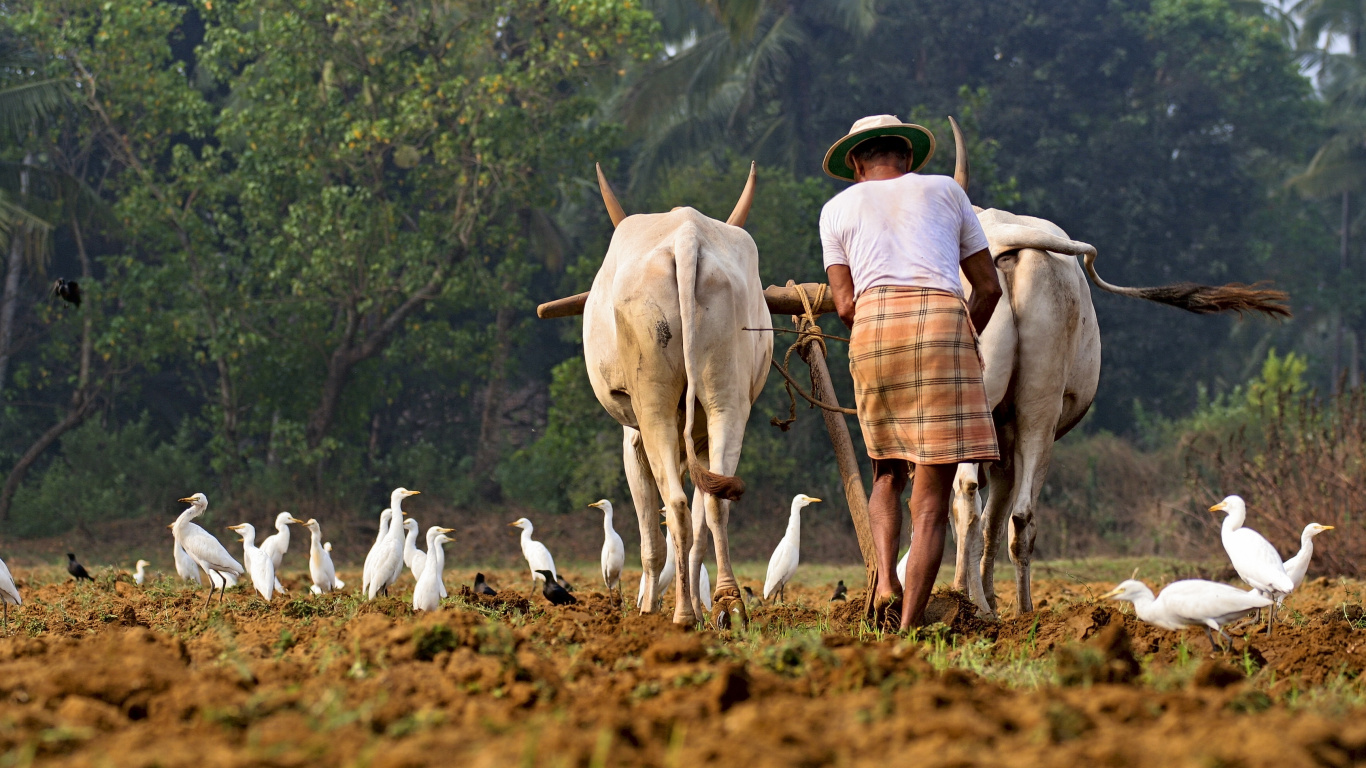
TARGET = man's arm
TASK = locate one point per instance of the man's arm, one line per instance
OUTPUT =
(842, 287)
(980, 271)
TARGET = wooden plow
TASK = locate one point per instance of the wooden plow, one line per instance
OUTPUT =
(804, 302)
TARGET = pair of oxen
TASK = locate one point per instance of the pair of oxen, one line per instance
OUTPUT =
(668, 356)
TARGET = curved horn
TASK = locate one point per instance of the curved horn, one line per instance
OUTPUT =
(960, 158)
(741, 212)
(614, 210)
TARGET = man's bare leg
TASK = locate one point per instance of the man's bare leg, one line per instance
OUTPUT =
(931, 494)
(884, 517)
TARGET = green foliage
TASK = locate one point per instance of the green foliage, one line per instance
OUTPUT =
(106, 474)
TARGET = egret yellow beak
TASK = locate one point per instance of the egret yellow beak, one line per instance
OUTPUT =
(813, 501)
(1217, 507)
(170, 526)
(445, 530)
(414, 493)
(512, 525)
(1110, 594)
(187, 499)
(1327, 528)
(595, 504)
(297, 521)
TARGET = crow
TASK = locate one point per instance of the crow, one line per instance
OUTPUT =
(841, 592)
(752, 599)
(482, 587)
(67, 290)
(554, 592)
(76, 569)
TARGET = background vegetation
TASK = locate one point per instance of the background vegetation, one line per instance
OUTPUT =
(311, 235)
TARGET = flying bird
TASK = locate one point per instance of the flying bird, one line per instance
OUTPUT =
(1190, 603)
(482, 587)
(76, 569)
(537, 556)
(140, 577)
(553, 591)
(1257, 562)
(613, 549)
(783, 564)
(67, 290)
(841, 592)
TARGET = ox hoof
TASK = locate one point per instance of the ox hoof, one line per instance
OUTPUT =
(729, 613)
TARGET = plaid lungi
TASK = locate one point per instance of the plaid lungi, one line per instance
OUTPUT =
(918, 378)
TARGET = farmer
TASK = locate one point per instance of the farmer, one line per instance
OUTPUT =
(893, 244)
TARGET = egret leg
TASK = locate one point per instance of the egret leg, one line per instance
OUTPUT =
(1270, 618)
(1210, 635)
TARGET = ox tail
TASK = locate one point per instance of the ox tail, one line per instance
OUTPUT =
(686, 253)
(1203, 299)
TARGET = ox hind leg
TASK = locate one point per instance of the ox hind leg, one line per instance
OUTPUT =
(1033, 451)
(701, 536)
(645, 496)
(659, 430)
(725, 434)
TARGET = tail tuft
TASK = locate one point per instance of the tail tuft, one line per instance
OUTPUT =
(721, 486)
(1210, 299)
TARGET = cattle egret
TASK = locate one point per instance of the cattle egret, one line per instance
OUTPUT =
(419, 558)
(704, 585)
(410, 549)
(327, 547)
(185, 567)
(206, 551)
(1297, 566)
(429, 590)
(76, 569)
(9, 593)
(139, 576)
(482, 587)
(613, 549)
(320, 567)
(553, 591)
(1256, 561)
(783, 564)
(1190, 603)
(537, 556)
(841, 592)
(389, 562)
(277, 544)
(901, 567)
(258, 562)
(381, 539)
(666, 576)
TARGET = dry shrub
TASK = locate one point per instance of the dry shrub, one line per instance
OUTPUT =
(1302, 460)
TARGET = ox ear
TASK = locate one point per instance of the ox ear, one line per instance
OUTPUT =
(610, 200)
(741, 212)
(960, 156)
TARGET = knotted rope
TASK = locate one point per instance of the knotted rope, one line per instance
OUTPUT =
(807, 332)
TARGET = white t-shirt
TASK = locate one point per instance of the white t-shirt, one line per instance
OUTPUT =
(908, 231)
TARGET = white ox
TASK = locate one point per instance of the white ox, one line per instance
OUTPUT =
(663, 340)
(1042, 354)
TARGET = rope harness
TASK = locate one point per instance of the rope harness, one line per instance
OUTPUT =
(807, 331)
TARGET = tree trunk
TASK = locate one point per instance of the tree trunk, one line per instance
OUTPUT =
(1342, 270)
(9, 299)
(488, 449)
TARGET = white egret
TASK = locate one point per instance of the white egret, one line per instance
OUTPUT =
(1298, 566)
(410, 549)
(389, 561)
(666, 576)
(276, 544)
(381, 539)
(419, 559)
(783, 564)
(537, 556)
(206, 551)
(704, 586)
(613, 549)
(259, 565)
(139, 576)
(9, 593)
(430, 586)
(339, 584)
(1190, 603)
(320, 566)
(1257, 562)
(185, 566)
(901, 567)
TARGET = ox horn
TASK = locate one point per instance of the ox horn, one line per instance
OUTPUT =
(960, 159)
(614, 210)
(741, 212)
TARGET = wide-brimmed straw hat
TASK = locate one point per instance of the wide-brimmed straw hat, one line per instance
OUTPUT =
(918, 137)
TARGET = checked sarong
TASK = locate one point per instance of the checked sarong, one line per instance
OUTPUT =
(918, 378)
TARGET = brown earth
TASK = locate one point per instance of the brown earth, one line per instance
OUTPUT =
(114, 674)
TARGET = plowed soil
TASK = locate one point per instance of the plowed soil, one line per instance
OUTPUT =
(115, 674)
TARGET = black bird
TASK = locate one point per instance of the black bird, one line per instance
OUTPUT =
(751, 599)
(841, 592)
(67, 290)
(564, 583)
(554, 592)
(76, 569)
(482, 587)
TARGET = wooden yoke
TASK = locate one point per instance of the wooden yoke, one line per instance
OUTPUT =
(805, 302)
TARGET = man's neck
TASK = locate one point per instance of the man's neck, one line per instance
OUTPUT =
(881, 173)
